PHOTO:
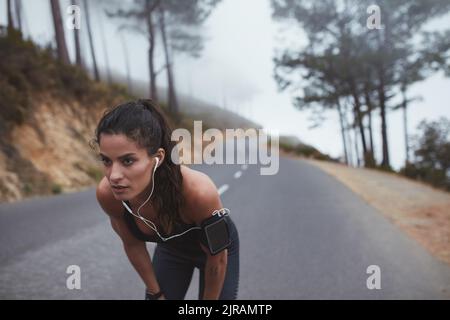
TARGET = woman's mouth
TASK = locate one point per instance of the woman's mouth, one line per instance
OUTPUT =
(119, 189)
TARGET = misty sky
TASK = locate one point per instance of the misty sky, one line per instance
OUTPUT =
(235, 72)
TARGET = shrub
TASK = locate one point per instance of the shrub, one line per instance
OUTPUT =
(56, 188)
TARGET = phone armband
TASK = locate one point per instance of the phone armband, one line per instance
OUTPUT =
(215, 233)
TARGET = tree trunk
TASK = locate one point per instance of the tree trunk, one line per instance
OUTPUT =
(105, 47)
(385, 45)
(358, 161)
(359, 123)
(347, 133)
(341, 121)
(127, 64)
(348, 136)
(382, 97)
(63, 54)
(359, 118)
(76, 40)
(372, 148)
(91, 42)
(18, 4)
(151, 50)
(349, 143)
(172, 98)
(369, 113)
(405, 125)
(10, 17)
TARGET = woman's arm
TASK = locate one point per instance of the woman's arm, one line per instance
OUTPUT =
(135, 249)
(138, 255)
(203, 203)
(215, 269)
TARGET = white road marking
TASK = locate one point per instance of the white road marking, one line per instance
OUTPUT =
(244, 167)
(223, 188)
(238, 174)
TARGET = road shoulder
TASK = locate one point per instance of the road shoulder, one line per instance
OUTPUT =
(419, 210)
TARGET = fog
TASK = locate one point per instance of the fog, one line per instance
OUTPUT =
(235, 72)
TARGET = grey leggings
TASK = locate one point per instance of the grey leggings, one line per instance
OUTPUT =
(174, 270)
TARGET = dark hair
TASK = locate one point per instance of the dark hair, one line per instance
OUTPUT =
(143, 122)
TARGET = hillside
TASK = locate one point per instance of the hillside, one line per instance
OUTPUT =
(48, 116)
(193, 108)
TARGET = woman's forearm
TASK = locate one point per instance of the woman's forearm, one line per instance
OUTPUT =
(141, 261)
(215, 271)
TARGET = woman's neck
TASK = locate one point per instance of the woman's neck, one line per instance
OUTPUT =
(139, 200)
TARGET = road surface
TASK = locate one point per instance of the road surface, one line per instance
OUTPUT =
(303, 235)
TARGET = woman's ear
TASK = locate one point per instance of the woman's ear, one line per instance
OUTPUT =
(160, 154)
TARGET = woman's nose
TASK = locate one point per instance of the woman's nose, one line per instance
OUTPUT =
(116, 173)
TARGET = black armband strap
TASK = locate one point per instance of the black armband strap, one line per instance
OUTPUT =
(215, 234)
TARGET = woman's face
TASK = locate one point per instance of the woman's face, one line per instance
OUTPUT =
(127, 166)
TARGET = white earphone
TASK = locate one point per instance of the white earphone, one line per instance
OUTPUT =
(150, 223)
(153, 186)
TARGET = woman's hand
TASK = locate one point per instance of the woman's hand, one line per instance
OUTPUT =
(156, 296)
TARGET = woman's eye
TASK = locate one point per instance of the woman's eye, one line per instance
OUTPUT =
(128, 162)
(105, 161)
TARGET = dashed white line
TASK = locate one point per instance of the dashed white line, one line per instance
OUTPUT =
(223, 188)
(237, 174)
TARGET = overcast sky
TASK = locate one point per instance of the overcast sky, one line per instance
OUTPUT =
(235, 71)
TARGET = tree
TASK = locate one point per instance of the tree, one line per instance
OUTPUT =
(140, 18)
(373, 61)
(63, 54)
(18, 9)
(91, 42)
(179, 25)
(432, 146)
(172, 97)
(104, 44)
(76, 40)
(127, 63)
(10, 16)
(432, 154)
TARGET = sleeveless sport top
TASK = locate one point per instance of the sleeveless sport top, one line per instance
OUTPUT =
(190, 238)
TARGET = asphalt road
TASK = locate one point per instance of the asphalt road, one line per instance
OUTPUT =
(303, 235)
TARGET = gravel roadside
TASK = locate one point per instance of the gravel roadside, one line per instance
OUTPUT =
(419, 210)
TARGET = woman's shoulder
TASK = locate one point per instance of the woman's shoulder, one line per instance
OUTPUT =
(106, 199)
(197, 185)
(200, 194)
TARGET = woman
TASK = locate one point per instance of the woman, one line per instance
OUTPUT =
(150, 198)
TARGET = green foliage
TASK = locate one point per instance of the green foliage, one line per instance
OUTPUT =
(305, 150)
(432, 154)
(27, 189)
(346, 65)
(26, 69)
(56, 188)
(95, 173)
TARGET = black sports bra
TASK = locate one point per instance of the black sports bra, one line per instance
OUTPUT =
(180, 228)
